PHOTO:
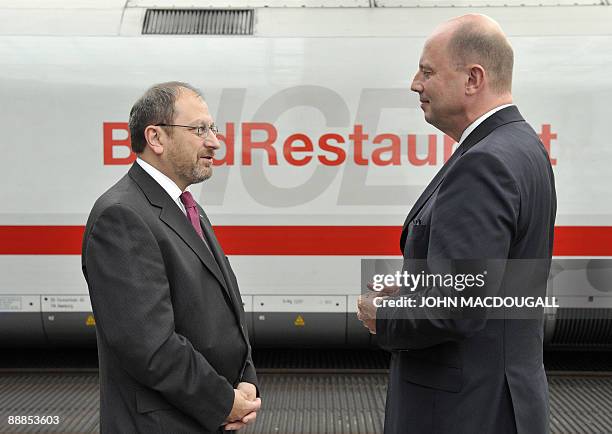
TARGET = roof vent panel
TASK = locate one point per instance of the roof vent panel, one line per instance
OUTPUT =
(198, 22)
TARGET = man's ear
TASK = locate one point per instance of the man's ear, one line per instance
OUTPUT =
(476, 79)
(152, 135)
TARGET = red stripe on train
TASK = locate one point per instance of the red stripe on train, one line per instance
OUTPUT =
(291, 240)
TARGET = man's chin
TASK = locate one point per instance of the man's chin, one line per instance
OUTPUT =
(200, 176)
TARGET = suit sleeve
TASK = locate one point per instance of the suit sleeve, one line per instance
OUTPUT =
(474, 217)
(248, 373)
(250, 376)
(130, 295)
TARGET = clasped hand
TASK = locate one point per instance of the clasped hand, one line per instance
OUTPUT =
(244, 410)
(366, 309)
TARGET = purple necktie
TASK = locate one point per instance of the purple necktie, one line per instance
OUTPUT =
(192, 212)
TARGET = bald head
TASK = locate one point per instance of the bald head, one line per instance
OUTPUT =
(478, 39)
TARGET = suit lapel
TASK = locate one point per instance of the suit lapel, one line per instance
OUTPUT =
(497, 119)
(172, 216)
(217, 251)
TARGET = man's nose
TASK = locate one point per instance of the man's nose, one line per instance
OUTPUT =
(212, 141)
(416, 85)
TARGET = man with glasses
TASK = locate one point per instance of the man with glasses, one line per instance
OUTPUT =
(172, 339)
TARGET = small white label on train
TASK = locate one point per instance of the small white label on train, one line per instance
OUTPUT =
(66, 303)
(10, 302)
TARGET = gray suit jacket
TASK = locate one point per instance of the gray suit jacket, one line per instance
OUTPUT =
(172, 339)
(494, 199)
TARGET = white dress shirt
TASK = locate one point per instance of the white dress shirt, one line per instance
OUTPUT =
(480, 120)
(171, 188)
(166, 183)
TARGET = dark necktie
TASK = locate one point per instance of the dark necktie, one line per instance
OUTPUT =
(192, 212)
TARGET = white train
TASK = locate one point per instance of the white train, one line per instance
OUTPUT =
(326, 148)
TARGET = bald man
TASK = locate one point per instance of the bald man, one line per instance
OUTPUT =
(494, 199)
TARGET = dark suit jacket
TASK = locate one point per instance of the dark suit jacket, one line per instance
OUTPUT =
(494, 199)
(172, 339)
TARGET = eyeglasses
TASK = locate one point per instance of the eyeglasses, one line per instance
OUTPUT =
(199, 131)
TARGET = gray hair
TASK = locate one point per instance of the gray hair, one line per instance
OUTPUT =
(472, 44)
(156, 106)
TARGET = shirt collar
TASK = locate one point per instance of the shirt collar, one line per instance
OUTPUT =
(480, 120)
(166, 183)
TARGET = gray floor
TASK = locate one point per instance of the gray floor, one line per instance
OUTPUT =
(294, 403)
